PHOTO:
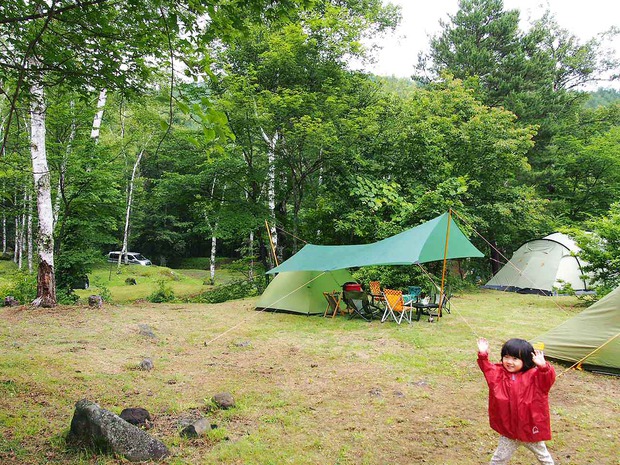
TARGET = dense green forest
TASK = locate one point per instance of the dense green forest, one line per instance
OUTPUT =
(179, 130)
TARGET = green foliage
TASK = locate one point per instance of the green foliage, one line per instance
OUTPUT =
(237, 289)
(600, 245)
(66, 296)
(602, 97)
(21, 285)
(98, 287)
(164, 293)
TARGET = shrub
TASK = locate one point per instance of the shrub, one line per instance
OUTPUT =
(101, 289)
(162, 294)
(22, 286)
(237, 289)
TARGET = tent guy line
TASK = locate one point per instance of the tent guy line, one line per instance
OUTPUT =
(259, 312)
(578, 363)
(454, 307)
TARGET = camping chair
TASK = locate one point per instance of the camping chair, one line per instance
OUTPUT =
(333, 303)
(413, 295)
(395, 307)
(445, 304)
(358, 305)
(376, 293)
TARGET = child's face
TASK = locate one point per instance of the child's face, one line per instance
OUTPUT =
(512, 364)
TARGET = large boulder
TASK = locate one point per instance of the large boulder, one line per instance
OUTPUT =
(101, 429)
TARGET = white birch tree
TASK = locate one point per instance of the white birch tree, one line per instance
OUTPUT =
(94, 133)
(132, 180)
(271, 187)
(46, 280)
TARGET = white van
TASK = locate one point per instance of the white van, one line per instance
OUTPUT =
(133, 258)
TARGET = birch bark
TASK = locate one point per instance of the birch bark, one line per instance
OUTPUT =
(271, 183)
(94, 133)
(29, 234)
(22, 230)
(134, 172)
(46, 280)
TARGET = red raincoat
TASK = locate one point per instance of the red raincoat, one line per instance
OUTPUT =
(519, 402)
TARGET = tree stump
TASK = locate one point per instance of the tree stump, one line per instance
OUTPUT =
(95, 301)
(10, 301)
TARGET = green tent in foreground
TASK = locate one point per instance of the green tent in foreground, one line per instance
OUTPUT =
(421, 244)
(594, 331)
(302, 291)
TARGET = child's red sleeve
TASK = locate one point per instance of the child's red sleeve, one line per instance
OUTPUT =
(546, 377)
(489, 369)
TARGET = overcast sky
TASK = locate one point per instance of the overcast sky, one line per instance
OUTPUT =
(583, 18)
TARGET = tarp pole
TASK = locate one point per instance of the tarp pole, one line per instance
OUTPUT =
(273, 250)
(445, 259)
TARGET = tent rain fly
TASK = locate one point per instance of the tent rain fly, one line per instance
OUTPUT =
(421, 244)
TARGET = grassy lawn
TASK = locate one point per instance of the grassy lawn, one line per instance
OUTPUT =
(309, 390)
(184, 282)
(106, 278)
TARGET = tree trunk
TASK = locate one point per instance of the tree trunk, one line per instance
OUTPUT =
(94, 133)
(213, 250)
(124, 250)
(22, 230)
(251, 252)
(46, 280)
(29, 233)
(16, 235)
(271, 184)
(3, 229)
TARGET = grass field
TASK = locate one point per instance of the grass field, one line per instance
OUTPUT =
(309, 390)
(147, 278)
(106, 278)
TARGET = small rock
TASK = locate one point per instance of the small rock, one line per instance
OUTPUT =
(197, 428)
(10, 301)
(145, 330)
(136, 416)
(224, 400)
(95, 301)
(146, 364)
(243, 344)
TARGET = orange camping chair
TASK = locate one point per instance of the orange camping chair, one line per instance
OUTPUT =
(395, 307)
(376, 293)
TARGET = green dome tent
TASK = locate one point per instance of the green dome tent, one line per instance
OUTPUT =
(591, 338)
(302, 291)
(542, 266)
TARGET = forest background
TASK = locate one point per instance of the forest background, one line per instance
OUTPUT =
(178, 129)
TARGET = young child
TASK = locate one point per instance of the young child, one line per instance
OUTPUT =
(518, 398)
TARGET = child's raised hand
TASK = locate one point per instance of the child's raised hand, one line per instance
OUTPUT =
(483, 345)
(538, 357)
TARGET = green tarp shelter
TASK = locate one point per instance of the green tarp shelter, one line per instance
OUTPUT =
(593, 333)
(302, 291)
(421, 244)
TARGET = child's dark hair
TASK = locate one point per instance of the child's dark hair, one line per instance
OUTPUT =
(520, 349)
